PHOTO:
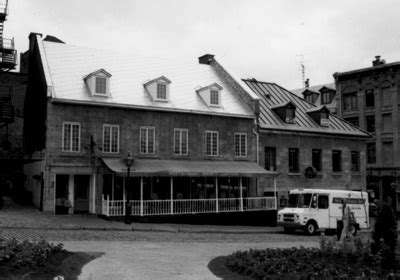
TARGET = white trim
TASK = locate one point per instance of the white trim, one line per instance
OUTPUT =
(111, 126)
(180, 130)
(146, 129)
(152, 108)
(240, 134)
(211, 143)
(69, 150)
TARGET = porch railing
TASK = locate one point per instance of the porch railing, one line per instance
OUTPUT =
(187, 206)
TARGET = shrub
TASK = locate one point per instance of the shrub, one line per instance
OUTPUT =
(15, 254)
(333, 260)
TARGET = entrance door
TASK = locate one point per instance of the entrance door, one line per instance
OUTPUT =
(62, 184)
(81, 193)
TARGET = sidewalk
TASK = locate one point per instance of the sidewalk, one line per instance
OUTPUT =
(28, 217)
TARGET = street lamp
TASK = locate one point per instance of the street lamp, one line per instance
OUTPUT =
(128, 162)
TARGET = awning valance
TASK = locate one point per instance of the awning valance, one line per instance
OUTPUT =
(187, 168)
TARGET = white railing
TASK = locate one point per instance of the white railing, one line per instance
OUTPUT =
(187, 206)
(258, 203)
(228, 204)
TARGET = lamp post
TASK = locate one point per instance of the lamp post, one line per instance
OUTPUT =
(128, 162)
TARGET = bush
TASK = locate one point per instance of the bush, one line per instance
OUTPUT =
(333, 260)
(15, 254)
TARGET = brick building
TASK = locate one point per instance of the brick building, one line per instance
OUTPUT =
(370, 98)
(307, 145)
(186, 124)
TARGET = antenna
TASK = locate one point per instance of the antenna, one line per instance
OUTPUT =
(302, 70)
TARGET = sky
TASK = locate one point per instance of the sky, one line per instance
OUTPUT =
(263, 39)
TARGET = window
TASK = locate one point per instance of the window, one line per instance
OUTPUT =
(317, 159)
(336, 161)
(370, 123)
(290, 115)
(101, 85)
(71, 137)
(355, 161)
(323, 202)
(293, 160)
(387, 153)
(181, 141)
(387, 123)
(371, 153)
(161, 91)
(354, 121)
(241, 144)
(110, 138)
(369, 98)
(214, 97)
(309, 98)
(147, 140)
(350, 101)
(386, 96)
(325, 97)
(270, 158)
(211, 143)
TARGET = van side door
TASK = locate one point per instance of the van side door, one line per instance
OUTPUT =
(323, 210)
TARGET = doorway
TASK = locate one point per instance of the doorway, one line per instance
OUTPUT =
(81, 193)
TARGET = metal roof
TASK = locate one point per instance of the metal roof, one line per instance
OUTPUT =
(66, 66)
(272, 94)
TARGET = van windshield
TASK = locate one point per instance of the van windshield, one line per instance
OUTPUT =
(299, 200)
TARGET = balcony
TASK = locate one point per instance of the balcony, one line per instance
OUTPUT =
(8, 54)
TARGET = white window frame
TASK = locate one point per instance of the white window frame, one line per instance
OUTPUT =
(108, 149)
(165, 86)
(105, 85)
(214, 91)
(180, 144)
(211, 133)
(238, 145)
(70, 148)
(146, 129)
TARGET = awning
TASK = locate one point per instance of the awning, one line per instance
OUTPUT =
(187, 168)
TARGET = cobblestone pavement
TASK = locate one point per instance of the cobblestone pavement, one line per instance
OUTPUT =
(141, 236)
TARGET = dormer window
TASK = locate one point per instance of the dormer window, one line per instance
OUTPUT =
(214, 97)
(211, 95)
(98, 83)
(286, 111)
(101, 85)
(158, 89)
(320, 115)
(161, 91)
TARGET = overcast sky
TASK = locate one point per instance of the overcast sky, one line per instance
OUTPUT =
(264, 39)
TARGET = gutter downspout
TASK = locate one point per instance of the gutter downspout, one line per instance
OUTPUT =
(254, 130)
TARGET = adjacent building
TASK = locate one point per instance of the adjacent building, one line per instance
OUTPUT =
(166, 136)
(306, 144)
(369, 98)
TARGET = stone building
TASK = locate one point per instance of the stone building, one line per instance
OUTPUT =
(166, 136)
(307, 145)
(370, 98)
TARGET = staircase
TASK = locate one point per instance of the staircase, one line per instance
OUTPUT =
(8, 54)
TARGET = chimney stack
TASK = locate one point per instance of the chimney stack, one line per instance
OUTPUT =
(307, 83)
(378, 61)
(206, 59)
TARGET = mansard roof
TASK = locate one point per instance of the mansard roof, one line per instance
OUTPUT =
(272, 95)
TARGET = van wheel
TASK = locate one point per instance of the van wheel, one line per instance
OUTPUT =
(288, 230)
(311, 228)
(353, 230)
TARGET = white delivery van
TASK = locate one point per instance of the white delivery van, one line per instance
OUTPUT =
(321, 209)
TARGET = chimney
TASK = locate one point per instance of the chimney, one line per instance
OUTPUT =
(307, 83)
(378, 61)
(32, 39)
(206, 59)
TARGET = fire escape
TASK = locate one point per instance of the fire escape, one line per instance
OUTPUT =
(8, 56)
